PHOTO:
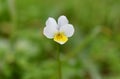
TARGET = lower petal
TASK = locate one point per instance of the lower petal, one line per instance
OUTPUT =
(60, 38)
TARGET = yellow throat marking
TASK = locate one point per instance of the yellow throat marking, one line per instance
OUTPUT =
(60, 38)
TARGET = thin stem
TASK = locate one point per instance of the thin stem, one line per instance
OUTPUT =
(59, 64)
(13, 16)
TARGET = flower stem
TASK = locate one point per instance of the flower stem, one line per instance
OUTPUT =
(13, 16)
(59, 64)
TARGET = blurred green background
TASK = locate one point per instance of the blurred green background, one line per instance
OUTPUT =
(92, 53)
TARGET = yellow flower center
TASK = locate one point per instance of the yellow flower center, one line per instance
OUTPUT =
(60, 38)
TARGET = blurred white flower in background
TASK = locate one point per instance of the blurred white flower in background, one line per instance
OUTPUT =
(59, 32)
(4, 45)
(26, 46)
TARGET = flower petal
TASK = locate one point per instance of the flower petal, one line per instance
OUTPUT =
(68, 29)
(62, 20)
(51, 22)
(49, 31)
(60, 38)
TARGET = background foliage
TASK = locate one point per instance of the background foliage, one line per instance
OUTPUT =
(92, 53)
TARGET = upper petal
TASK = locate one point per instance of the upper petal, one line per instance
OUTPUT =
(62, 20)
(51, 22)
(49, 31)
(68, 29)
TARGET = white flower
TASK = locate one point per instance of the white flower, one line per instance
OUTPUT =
(59, 32)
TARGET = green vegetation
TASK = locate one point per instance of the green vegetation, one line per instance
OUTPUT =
(92, 53)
